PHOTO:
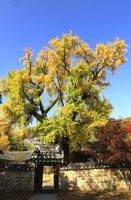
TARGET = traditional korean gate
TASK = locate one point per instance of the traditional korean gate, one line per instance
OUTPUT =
(42, 159)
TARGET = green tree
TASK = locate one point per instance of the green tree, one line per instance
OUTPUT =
(72, 76)
(17, 144)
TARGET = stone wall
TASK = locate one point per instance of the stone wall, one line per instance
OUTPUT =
(16, 180)
(84, 177)
(95, 179)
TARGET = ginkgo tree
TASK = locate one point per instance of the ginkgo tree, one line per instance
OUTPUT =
(71, 76)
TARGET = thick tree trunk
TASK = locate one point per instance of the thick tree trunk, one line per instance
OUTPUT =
(65, 148)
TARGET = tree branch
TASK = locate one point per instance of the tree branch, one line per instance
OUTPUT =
(60, 91)
(36, 115)
(41, 108)
(29, 99)
(51, 105)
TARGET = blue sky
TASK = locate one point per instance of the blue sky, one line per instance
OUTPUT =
(34, 22)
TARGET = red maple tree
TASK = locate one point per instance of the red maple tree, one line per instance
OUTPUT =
(129, 136)
(112, 142)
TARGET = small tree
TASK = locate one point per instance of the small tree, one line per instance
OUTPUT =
(129, 136)
(111, 142)
(4, 142)
(17, 141)
(17, 144)
(4, 138)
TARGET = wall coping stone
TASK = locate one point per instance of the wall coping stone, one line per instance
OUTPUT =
(93, 165)
(16, 167)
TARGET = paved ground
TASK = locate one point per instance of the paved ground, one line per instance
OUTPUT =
(44, 197)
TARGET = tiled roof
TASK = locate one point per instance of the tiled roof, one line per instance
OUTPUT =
(20, 155)
(49, 148)
(6, 157)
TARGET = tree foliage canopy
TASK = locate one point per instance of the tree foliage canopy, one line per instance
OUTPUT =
(72, 76)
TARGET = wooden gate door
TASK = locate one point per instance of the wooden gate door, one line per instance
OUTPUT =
(38, 179)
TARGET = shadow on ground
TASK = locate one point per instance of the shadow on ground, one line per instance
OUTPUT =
(15, 195)
(114, 195)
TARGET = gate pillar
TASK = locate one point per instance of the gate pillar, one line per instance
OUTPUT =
(38, 177)
(56, 177)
